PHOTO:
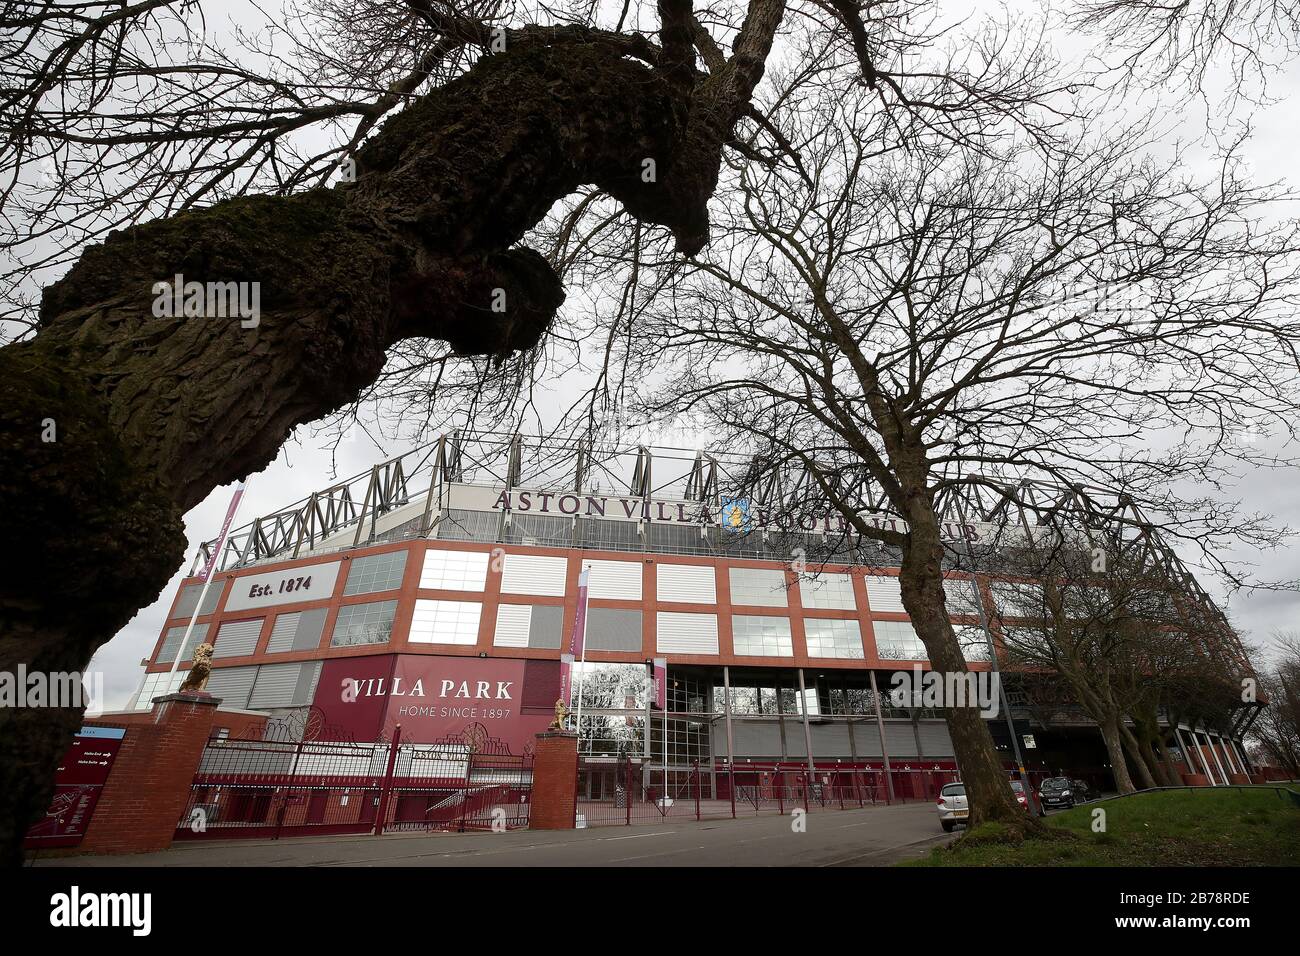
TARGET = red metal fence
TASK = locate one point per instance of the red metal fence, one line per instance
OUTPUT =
(624, 792)
(272, 788)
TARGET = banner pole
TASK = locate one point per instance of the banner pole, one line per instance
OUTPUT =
(580, 636)
(209, 568)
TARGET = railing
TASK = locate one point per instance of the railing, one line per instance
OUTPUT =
(628, 792)
(1283, 793)
(274, 788)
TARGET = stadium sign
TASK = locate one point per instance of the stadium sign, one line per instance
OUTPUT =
(288, 585)
(736, 515)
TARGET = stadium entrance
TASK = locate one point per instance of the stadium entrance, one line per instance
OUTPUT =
(285, 782)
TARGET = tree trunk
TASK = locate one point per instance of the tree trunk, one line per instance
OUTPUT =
(1134, 750)
(921, 582)
(151, 412)
(1115, 750)
(1146, 724)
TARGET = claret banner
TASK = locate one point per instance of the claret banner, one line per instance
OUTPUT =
(436, 697)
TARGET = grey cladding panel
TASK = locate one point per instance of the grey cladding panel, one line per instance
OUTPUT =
(753, 738)
(899, 738)
(546, 627)
(189, 599)
(829, 740)
(610, 629)
(935, 741)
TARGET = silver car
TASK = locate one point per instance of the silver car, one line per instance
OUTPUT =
(952, 805)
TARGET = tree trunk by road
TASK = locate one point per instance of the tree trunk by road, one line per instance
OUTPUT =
(921, 583)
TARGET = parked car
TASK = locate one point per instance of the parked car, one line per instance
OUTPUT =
(1060, 792)
(952, 806)
(1018, 789)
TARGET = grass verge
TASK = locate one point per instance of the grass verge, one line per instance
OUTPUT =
(1204, 827)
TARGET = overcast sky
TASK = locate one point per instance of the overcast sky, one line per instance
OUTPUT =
(304, 464)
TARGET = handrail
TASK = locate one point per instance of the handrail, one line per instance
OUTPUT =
(1295, 796)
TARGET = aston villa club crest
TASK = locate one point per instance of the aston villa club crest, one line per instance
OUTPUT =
(735, 514)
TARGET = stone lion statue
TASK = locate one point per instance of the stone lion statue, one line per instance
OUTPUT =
(200, 668)
(561, 712)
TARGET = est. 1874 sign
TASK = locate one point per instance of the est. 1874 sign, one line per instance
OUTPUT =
(310, 582)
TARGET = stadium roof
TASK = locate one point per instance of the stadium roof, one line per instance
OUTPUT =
(420, 494)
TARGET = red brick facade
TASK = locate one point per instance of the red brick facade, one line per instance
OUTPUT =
(149, 785)
(492, 598)
(555, 782)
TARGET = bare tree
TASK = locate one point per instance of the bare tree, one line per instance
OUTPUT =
(1247, 39)
(121, 411)
(914, 323)
(1276, 732)
(1124, 636)
(141, 143)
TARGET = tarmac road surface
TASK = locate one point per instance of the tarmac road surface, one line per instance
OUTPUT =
(872, 836)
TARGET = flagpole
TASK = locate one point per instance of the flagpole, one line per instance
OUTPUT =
(661, 701)
(579, 629)
(664, 799)
(209, 569)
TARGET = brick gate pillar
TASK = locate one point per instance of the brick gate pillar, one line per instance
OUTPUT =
(555, 781)
(149, 785)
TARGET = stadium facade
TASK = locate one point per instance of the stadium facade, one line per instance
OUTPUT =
(438, 590)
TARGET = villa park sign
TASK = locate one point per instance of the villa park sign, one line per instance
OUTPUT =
(736, 515)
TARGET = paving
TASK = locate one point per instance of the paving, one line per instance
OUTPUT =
(872, 836)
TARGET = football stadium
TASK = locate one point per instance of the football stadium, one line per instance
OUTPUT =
(438, 591)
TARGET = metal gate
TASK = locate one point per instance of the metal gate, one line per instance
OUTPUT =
(290, 783)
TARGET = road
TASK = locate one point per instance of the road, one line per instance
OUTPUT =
(873, 836)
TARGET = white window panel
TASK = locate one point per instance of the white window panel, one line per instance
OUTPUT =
(237, 638)
(959, 596)
(679, 633)
(172, 642)
(758, 587)
(156, 685)
(883, 593)
(828, 638)
(828, 591)
(445, 622)
(375, 572)
(364, 624)
(761, 635)
(897, 641)
(687, 583)
(454, 570)
(811, 705)
(534, 574)
(614, 580)
(513, 622)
